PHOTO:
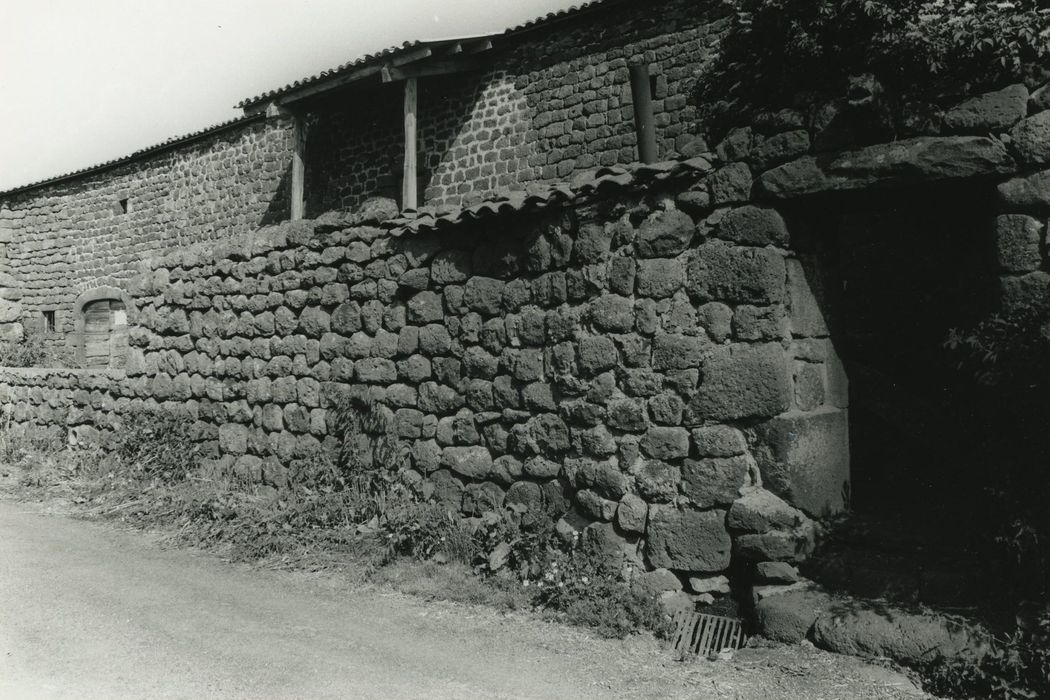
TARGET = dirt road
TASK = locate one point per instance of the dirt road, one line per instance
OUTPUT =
(88, 611)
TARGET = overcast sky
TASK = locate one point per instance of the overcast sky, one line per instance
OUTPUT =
(84, 81)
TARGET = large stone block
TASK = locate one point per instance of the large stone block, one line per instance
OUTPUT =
(992, 111)
(664, 234)
(1028, 291)
(472, 462)
(1018, 242)
(720, 272)
(743, 381)
(688, 540)
(674, 351)
(660, 277)
(1027, 193)
(751, 225)
(904, 162)
(425, 307)
(714, 481)
(1031, 139)
(809, 302)
(611, 312)
(804, 459)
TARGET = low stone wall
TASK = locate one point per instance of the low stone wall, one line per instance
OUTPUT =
(632, 365)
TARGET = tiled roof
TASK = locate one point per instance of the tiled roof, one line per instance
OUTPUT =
(396, 51)
(602, 182)
(392, 52)
(135, 155)
(557, 15)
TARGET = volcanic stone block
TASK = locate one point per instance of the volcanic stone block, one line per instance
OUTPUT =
(688, 540)
(621, 275)
(450, 267)
(438, 399)
(714, 481)
(484, 295)
(657, 481)
(673, 351)
(752, 225)
(903, 162)
(730, 184)
(1028, 291)
(804, 459)
(314, 322)
(1031, 139)
(664, 234)
(376, 370)
(474, 462)
(660, 277)
(611, 312)
(720, 272)
(1018, 238)
(719, 441)
(759, 511)
(602, 477)
(779, 148)
(743, 381)
(425, 307)
(233, 438)
(992, 111)
(592, 243)
(665, 443)
(632, 513)
(597, 353)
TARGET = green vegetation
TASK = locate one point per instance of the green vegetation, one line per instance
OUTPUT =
(775, 49)
(30, 350)
(360, 510)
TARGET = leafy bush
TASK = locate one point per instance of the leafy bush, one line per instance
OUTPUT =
(1017, 667)
(777, 48)
(1006, 350)
(156, 443)
(30, 350)
(587, 592)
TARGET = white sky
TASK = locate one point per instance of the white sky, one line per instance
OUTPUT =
(85, 81)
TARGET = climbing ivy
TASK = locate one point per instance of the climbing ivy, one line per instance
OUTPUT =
(775, 49)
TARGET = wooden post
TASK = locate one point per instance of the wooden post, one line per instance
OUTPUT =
(644, 122)
(408, 190)
(298, 167)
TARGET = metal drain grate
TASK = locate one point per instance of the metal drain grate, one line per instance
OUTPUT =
(697, 634)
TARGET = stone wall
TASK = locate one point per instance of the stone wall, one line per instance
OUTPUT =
(635, 365)
(61, 239)
(552, 103)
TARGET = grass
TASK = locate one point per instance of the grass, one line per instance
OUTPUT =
(369, 525)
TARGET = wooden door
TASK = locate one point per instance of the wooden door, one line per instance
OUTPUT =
(105, 333)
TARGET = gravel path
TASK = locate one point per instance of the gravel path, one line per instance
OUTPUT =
(89, 611)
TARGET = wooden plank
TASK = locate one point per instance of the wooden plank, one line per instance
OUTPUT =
(298, 168)
(409, 184)
(428, 69)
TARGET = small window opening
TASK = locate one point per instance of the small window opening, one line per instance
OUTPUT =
(653, 83)
(123, 205)
(49, 321)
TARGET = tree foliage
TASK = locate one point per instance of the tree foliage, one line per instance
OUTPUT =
(777, 48)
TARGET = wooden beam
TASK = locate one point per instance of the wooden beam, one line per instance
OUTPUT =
(408, 190)
(428, 69)
(327, 85)
(298, 167)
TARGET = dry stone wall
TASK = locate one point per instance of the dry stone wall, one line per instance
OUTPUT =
(62, 239)
(637, 367)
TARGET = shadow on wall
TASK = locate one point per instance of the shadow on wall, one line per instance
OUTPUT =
(280, 205)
